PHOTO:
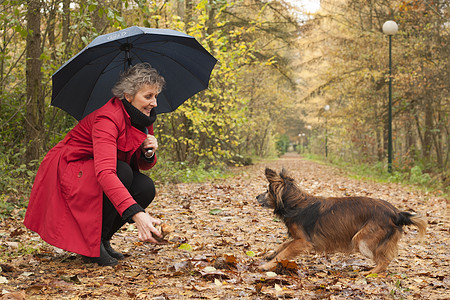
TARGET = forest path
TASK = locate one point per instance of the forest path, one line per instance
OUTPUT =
(221, 235)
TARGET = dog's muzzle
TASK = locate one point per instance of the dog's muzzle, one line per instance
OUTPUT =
(262, 199)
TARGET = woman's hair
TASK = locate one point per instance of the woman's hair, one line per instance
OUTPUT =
(131, 81)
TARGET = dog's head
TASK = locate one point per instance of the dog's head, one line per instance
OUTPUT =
(279, 185)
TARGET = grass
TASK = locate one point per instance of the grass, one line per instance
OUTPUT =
(378, 172)
(177, 172)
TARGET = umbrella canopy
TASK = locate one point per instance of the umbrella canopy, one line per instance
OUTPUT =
(83, 84)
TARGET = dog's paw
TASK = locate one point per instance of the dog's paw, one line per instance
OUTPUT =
(270, 256)
(263, 268)
(267, 266)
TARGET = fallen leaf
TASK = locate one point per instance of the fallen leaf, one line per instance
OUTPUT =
(17, 232)
(34, 289)
(185, 247)
(13, 296)
(13, 245)
(209, 269)
(230, 259)
(271, 274)
(215, 211)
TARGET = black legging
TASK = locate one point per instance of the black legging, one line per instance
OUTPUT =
(140, 186)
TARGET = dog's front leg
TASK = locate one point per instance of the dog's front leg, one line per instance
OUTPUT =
(290, 250)
(281, 248)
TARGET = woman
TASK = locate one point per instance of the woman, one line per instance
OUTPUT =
(89, 184)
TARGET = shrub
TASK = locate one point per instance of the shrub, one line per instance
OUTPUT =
(282, 144)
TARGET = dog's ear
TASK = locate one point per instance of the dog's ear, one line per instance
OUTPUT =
(285, 176)
(270, 174)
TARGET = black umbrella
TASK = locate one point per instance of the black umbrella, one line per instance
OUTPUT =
(83, 84)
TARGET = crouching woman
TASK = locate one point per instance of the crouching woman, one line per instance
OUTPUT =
(89, 184)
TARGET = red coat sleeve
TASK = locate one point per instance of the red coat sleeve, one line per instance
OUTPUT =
(104, 137)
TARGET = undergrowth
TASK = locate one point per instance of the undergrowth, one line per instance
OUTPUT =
(177, 172)
(378, 172)
(16, 183)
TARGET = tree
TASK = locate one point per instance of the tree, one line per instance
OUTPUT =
(35, 102)
(344, 68)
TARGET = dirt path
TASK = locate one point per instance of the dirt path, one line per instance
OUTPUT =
(224, 235)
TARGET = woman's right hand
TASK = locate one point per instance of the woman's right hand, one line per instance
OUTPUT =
(144, 223)
(150, 143)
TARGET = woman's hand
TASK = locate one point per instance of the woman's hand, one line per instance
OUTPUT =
(144, 223)
(150, 143)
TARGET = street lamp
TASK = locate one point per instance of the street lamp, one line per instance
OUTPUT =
(301, 137)
(326, 108)
(390, 28)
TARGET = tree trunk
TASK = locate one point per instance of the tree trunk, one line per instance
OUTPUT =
(34, 125)
(438, 142)
(100, 23)
(385, 134)
(51, 26)
(378, 134)
(410, 142)
(210, 22)
(66, 25)
(187, 13)
(178, 131)
(428, 135)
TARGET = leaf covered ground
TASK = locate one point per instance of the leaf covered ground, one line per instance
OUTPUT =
(220, 237)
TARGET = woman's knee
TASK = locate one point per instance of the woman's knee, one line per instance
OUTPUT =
(125, 173)
(142, 189)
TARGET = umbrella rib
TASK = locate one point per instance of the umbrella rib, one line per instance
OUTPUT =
(162, 54)
(139, 57)
(139, 37)
(102, 72)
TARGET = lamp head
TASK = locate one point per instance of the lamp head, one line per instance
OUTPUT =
(390, 28)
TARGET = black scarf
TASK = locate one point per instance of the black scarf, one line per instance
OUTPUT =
(138, 118)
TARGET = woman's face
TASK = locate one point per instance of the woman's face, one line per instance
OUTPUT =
(144, 99)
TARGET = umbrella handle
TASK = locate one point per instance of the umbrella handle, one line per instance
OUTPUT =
(149, 153)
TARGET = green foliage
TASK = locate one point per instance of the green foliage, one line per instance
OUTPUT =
(418, 177)
(11, 205)
(219, 126)
(17, 177)
(166, 171)
(378, 171)
(282, 144)
(414, 176)
(344, 69)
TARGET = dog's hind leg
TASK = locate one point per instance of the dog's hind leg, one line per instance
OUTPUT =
(386, 250)
(290, 250)
(378, 243)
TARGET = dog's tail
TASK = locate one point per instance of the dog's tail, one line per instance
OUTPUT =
(405, 218)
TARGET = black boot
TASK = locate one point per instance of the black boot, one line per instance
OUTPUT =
(104, 259)
(111, 251)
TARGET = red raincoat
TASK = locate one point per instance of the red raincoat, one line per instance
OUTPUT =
(66, 201)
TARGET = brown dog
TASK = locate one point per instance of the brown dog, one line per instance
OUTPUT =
(342, 224)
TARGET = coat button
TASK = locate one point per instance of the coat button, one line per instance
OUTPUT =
(80, 174)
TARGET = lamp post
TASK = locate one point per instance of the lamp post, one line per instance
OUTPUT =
(326, 108)
(390, 28)
(301, 137)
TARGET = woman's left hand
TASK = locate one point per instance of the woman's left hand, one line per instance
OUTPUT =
(150, 143)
